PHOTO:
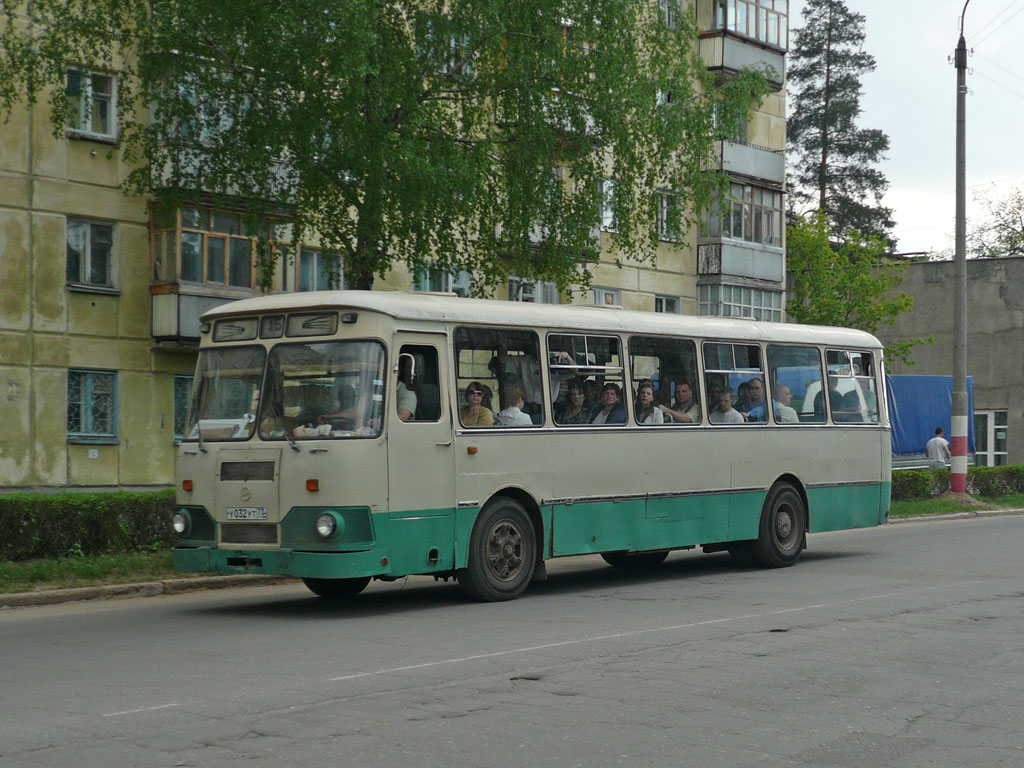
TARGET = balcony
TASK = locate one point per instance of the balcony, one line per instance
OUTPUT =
(178, 307)
(726, 53)
(728, 257)
(753, 162)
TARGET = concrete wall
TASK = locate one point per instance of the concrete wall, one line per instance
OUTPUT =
(995, 334)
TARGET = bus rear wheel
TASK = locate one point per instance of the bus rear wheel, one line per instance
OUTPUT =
(502, 553)
(337, 589)
(783, 528)
(636, 561)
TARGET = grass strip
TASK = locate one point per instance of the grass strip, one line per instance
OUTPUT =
(85, 571)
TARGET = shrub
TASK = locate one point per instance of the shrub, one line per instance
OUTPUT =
(34, 525)
(916, 484)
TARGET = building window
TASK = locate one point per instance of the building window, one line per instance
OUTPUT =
(739, 301)
(667, 304)
(532, 291)
(182, 396)
(90, 253)
(606, 197)
(440, 281)
(752, 213)
(990, 438)
(92, 103)
(607, 297)
(670, 11)
(92, 404)
(319, 272)
(668, 216)
(763, 20)
(197, 244)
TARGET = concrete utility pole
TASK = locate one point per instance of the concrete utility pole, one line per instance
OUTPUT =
(958, 465)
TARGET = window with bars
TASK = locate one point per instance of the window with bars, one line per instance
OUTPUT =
(92, 103)
(764, 20)
(92, 404)
(182, 396)
(532, 291)
(90, 249)
(739, 301)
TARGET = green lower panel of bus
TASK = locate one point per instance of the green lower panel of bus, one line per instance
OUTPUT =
(836, 508)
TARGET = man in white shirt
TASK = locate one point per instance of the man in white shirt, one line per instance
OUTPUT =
(784, 412)
(937, 450)
(726, 414)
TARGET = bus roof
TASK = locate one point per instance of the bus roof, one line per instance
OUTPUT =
(415, 305)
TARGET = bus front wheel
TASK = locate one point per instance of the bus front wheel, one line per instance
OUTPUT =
(783, 528)
(337, 589)
(502, 553)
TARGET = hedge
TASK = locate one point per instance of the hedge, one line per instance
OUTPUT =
(36, 525)
(917, 484)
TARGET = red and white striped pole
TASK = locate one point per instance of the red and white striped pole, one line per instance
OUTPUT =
(958, 446)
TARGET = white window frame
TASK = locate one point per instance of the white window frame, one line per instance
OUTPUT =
(533, 291)
(989, 457)
(671, 305)
(324, 276)
(85, 267)
(665, 231)
(757, 19)
(606, 297)
(729, 300)
(79, 121)
(606, 197)
(435, 280)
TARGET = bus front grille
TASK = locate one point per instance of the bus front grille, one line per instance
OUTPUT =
(247, 470)
(248, 533)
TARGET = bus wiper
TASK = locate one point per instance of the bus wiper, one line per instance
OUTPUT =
(279, 415)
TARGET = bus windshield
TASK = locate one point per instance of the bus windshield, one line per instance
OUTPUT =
(227, 394)
(324, 389)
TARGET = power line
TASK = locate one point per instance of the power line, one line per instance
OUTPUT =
(996, 82)
(997, 64)
(995, 18)
(996, 29)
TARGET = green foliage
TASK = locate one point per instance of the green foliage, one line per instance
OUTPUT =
(849, 285)
(422, 132)
(988, 482)
(83, 524)
(68, 572)
(1001, 233)
(834, 163)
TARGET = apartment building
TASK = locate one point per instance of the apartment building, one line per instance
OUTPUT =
(101, 293)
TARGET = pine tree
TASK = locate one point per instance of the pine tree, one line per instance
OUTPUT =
(834, 162)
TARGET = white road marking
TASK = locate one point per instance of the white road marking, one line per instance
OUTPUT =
(134, 711)
(638, 632)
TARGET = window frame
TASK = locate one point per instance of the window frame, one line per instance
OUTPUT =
(180, 379)
(735, 370)
(988, 437)
(324, 278)
(87, 99)
(666, 384)
(712, 302)
(85, 267)
(566, 372)
(87, 405)
(615, 293)
(520, 288)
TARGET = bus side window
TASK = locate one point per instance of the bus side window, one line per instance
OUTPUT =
(418, 398)
(670, 366)
(795, 377)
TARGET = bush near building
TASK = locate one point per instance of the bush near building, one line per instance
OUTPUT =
(990, 482)
(35, 525)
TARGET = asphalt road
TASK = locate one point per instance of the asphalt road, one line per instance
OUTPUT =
(894, 646)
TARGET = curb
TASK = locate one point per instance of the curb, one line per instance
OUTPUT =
(967, 515)
(137, 589)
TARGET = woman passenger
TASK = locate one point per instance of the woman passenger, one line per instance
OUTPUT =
(644, 408)
(612, 410)
(475, 414)
(574, 411)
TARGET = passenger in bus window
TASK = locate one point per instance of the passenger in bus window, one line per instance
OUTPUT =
(725, 414)
(344, 416)
(644, 408)
(475, 414)
(753, 406)
(591, 396)
(573, 410)
(684, 410)
(513, 415)
(784, 412)
(406, 401)
(612, 410)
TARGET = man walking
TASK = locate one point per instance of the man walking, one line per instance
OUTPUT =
(937, 450)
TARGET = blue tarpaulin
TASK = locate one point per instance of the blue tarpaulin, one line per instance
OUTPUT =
(919, 404)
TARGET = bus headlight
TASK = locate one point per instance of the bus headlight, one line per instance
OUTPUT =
(181, 522)
(329, 525)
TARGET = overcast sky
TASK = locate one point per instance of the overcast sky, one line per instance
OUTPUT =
(911, 96)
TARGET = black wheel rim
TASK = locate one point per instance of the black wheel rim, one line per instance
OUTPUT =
(505, 551)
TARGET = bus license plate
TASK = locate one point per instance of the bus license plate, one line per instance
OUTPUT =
(247, 513)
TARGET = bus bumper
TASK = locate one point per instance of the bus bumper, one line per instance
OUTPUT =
(283, 562)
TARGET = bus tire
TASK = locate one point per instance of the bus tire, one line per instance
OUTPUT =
(742, 553)
(783, 528)
(337, 589)
(502, 553)
(636, 561)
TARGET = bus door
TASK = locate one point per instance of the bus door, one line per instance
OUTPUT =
(421, 466)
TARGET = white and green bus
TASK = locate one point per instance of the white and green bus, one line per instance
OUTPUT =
(345, 436)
